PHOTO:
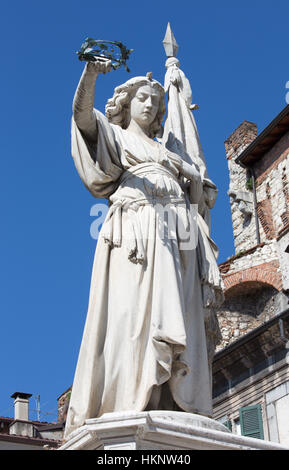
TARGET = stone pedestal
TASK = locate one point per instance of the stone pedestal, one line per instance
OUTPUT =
(159, 430)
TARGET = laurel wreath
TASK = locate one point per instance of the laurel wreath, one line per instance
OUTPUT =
(92, 50)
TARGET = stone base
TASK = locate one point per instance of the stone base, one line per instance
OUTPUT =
(159, 430)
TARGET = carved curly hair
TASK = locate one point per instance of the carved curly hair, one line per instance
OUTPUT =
(117, 109)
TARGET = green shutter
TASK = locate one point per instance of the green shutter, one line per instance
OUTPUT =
(251, 421)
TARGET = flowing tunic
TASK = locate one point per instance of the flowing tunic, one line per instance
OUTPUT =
(145, 324)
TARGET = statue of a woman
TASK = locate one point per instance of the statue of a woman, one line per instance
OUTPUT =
(144, 344)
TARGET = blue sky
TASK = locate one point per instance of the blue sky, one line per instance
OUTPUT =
(236, 57)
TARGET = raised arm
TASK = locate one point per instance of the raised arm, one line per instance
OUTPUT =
(84, 98)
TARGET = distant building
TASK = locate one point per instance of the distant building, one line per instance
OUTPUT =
(251, 372)
(20, 433)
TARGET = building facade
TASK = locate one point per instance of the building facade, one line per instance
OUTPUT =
(21, 433)
(251, 372)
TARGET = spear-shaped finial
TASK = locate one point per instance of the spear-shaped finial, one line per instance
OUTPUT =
(170, 43)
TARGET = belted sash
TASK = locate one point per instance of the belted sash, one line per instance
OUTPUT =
(112, 230)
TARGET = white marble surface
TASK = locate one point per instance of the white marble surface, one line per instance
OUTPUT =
(159, 430)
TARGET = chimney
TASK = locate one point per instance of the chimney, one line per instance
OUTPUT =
(21, 405)
(240, 139)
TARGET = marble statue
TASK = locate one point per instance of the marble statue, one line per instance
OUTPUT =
(151, 328)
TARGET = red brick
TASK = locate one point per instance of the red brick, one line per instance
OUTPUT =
(266, 273)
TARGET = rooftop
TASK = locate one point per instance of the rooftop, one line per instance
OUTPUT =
(266, 139)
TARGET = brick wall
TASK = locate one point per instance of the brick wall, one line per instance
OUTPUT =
(245, 133)
(265, 216)
(272, 189)
(63, 403)
(267, 273)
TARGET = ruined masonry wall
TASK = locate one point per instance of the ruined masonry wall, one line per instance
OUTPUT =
(255, 277)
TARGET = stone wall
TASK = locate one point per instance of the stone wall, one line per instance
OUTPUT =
(245, 309)
(240, 190)
(256, 276)
(283, 252)
(255, 256)
(272, 189)
(63, 403)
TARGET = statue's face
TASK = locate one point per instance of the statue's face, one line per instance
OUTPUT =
(144, 105)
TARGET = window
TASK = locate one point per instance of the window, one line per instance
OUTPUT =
(226, 422)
